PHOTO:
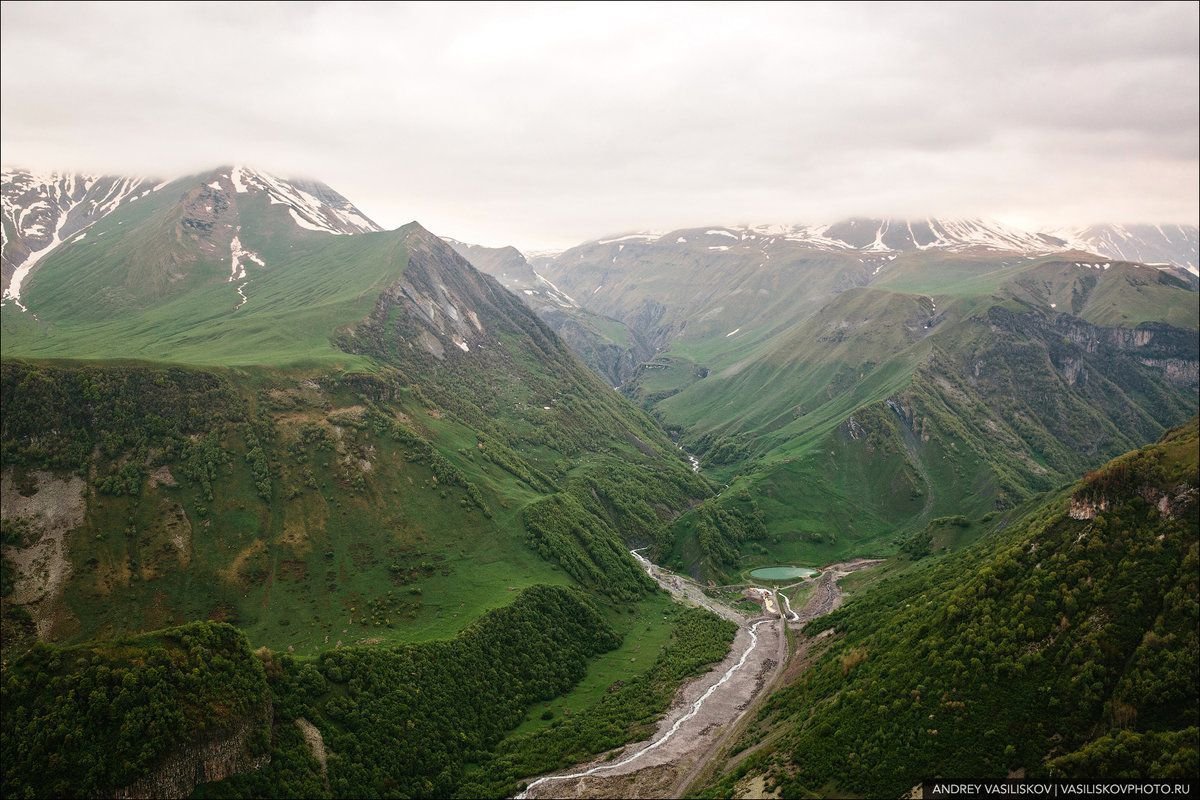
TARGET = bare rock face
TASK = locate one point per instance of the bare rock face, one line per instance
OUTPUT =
(182, 772)
(1170, 503)
(1176, 370)
(438, 293)
(46, 509)
(316, 746)
(1082, 508)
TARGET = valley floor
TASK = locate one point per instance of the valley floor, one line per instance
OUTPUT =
(707, 712)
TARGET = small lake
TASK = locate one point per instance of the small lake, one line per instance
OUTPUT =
(782, 573)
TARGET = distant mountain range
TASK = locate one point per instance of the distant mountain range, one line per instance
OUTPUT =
(760, 347)
(41, 210)
(907, 368)
(1159, 245)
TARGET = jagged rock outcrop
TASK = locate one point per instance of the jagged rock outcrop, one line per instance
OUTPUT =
(1169, 502)
(1084, 508)
(437, 305)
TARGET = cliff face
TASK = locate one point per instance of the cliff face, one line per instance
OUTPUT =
(1169, 350)
(182, 772)
(1082, 508)
(1169, 502)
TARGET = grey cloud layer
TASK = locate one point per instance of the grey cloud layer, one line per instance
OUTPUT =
(546, 124)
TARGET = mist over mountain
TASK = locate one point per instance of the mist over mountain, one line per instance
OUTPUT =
(1148, 244)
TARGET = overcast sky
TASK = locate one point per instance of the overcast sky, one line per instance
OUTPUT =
(544, 125)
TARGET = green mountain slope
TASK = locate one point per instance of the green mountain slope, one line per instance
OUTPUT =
(1064, 645)
(953, 384)
(606, 345)
(849, 393)
(293, 500)
(156, 281)
(237, 401)
(219, 407)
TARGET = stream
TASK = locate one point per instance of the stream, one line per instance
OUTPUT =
(695, 462)
(703, 711)
(674, 729)
(707, 714)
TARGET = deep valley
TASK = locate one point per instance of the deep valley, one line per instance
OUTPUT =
(297, 506)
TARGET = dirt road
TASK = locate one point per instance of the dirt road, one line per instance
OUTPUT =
(706, 711)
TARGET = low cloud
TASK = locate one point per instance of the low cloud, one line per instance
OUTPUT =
(542, 125)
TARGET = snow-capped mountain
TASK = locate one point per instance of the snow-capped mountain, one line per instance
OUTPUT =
(1146, 244)
(1158, 245)
(861, 234)
(43, 210)
(895, 235)
(312, 204)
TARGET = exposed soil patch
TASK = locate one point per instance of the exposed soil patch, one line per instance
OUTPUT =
(178, 529)
(293, 570)
(244, 561)
(316, 745)
(48, 513)
(826, 594)
(754, 788)
(161, 477)
(304, 519)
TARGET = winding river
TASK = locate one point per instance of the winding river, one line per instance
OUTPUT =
(696, 705)
(709, 709)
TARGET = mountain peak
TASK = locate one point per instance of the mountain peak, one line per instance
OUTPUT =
(1158, 245)
(45, 209)
(313, 205)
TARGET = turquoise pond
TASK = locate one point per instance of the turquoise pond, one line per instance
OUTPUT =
(782, 573)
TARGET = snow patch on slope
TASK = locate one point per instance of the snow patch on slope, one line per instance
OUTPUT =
(1165, 245)
(237, 269)
(239, 255)
(556, 294)
(329, 214)
(34, 203)
(644, 236)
